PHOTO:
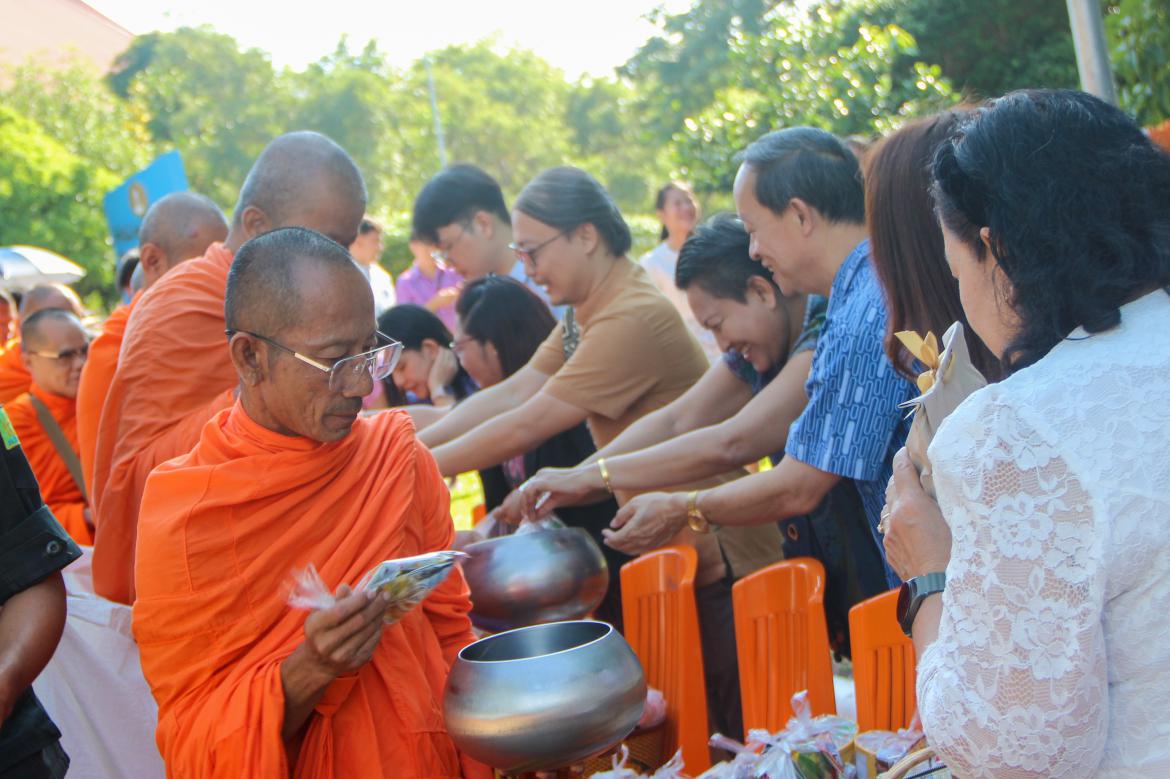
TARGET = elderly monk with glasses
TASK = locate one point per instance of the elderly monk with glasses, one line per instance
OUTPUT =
(54, 347)
(292, 474)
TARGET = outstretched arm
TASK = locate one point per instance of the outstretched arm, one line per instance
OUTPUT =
(484, 405)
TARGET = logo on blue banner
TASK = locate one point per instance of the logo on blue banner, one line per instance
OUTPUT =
(126, 205)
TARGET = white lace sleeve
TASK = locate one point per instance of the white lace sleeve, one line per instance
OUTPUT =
(1015, 685)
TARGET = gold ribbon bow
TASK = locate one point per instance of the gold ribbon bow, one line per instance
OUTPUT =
(926, 350)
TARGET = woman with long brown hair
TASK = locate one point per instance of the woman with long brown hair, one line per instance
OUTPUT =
(906, 241)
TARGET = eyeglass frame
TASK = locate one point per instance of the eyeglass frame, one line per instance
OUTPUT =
(68, 354)
(444, 255)
(332, 370)
(527, 256)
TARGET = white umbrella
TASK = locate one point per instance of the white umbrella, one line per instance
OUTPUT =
(22, 267)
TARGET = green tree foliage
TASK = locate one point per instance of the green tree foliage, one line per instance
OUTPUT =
(51, 197)
(1139, 35)
(202, 95)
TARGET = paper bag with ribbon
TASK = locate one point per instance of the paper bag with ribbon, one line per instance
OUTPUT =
(949, 379)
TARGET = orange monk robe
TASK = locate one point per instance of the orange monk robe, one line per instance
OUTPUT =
(14, 377)
(173, 375)
(58, 489)
(221, 530)
(95, 382)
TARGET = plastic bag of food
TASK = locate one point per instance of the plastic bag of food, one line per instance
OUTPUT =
(672, 770)
(654, 712)
(407, 580)
(549, 522)
(742, 766)
(879, 750)
(808, 747)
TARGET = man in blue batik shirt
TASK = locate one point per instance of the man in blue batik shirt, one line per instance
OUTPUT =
(799, 193)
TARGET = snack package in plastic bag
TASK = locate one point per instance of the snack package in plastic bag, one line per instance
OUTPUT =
(407, 580)
(808, 747)
(672, 770)
(549, 522)
(654, 712)
(879, 750)
(742, 766)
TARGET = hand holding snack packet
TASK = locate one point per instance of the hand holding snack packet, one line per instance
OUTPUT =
(407, 582)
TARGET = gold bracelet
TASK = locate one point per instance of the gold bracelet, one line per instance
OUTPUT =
(695, 518)
(604, 474)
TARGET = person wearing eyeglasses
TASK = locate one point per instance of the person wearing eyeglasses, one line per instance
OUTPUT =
(14, 375)
(290, 475)
(462, 213)
(54, 348)
(620, 353)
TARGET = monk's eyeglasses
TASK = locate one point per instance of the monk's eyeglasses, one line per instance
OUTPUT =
(379, 362)
(79, 353)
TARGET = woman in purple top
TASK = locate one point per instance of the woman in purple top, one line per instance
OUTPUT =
(428, 284)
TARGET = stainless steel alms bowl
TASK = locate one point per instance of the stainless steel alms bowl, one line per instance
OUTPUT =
(544, 697)
(533, 578)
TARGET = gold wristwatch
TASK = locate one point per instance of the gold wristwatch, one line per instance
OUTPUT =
(695, 519)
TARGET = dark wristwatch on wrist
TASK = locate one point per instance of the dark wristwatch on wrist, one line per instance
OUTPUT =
(913, 592)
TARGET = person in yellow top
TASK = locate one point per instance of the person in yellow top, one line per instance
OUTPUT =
(54, 348)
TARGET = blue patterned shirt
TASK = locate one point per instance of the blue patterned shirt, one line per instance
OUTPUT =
(853, 425)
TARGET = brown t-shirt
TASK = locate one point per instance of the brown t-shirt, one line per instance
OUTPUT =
(634, 356)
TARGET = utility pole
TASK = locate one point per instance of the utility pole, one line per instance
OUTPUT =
(435, 111)
(1088, 33)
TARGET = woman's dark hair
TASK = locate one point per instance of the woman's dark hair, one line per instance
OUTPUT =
(567, 197)
(505, 313)
(717, 259)
(660, 201)
(411, 325)
(1074, 197)
(810, 164)
(907, 244)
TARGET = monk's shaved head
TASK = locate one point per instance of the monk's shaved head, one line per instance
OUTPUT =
(45, 296)
(37, 331)
(303, 179)
(183, 225)
(265, 289)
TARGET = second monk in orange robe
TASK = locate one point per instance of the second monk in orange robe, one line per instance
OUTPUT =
(174, 372)
(180, 226)
(291, 475)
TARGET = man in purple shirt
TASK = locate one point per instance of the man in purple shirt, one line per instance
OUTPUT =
(429, 284)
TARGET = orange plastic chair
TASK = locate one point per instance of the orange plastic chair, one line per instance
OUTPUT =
(662, 626)
(782, 642)
(883, 665)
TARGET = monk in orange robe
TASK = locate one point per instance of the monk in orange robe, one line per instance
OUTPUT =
(54, 348)
(14, 376)
(290, 475)
(7, 315)
(180, 226)
(174, 372)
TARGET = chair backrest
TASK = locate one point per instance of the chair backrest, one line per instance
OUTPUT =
(662, 626)
(883, 665)
(782, 642)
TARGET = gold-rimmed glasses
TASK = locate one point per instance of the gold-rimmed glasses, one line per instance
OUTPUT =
(379, 362)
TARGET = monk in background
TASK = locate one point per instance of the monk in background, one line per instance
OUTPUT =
(290, 475)
(174, 372)
(178, 227)
(54, 345)
(7, 316)
(14, 376)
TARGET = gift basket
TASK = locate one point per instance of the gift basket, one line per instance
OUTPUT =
(407, 580)
(880, 752)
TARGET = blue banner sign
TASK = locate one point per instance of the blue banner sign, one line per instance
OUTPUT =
(126, 205)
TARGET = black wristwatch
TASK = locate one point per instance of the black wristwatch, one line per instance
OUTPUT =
(913, 592)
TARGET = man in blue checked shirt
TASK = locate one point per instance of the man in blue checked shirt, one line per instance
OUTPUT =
(799, 193)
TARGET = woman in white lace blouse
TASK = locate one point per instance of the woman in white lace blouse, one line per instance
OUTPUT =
(1048, 651)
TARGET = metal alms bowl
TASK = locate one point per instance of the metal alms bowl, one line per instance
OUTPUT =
(544, 697)
(533, 578)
